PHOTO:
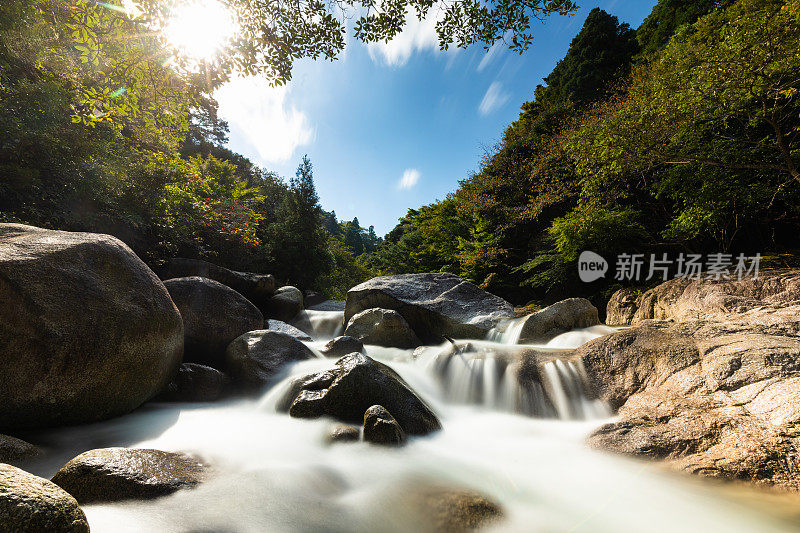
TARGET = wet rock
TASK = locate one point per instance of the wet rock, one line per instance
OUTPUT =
(13, 450)
(195, 383)
(448, 510)
(382, 327)
(433, 304)
(313, 298)
(355, 384)
(343, 433)
(114, 474)
(257, 288)
(256, 358)
(341, 346)
(284, 304)
(717, 396)
(87, 330)
(380, 427)
(558, 318)
(288, 329)
(30, 504)
(213, 315)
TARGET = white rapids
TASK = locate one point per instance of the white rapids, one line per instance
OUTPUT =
(274, 473)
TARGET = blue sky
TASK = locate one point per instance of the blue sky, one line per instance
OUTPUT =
(395, 126)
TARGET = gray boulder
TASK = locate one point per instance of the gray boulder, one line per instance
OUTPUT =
(195, 383)
(256, 358)
(341, 346)
(87, 330)
(257, 288)
(114, 474)
(284, 304)
(213, 315)
(382, 327)
(380, 427)
(558, 318)
(30, 504)
(288, 329)
(433, 304)
(355, 384)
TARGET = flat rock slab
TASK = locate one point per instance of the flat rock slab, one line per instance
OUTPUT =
(30, 504)
(114, 474)
(288, 329)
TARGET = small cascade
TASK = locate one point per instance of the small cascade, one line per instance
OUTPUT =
(507, 332)
(521, 380)
(321, 325)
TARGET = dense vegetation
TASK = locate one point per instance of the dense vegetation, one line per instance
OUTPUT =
(112, 139)
(681, 136)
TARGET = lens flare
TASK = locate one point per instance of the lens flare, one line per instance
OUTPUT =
(200, 30)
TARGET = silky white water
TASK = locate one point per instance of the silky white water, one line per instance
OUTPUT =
(274, 473)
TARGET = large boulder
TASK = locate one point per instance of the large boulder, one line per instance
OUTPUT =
(716, 396)
(563, 316)
(114, 474)
(87, 330)
(434, 304)
(382, 327)
(258, 288)
(256, 358)
(30, 504)
(284, 304)
(288, 329)
(213, 315)
(356, 383)
(195, 383)
(13, 450)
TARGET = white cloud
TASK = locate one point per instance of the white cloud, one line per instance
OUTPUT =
(493, 99)
(417, 35)
(490, 55)
(409, 179)
(264, 116)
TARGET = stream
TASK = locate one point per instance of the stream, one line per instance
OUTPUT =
(273, 473)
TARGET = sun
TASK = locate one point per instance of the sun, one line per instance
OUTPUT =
(199, 30)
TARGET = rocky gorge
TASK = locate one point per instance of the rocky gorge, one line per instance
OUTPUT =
(214, 400)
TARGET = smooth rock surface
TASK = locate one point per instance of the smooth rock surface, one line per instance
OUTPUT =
(441, 509)
(284, 304)
(257, 288)
(114, 474)
(343, 433)
(256, 358)
(288, 329)
(87, 330)
(341, 346)
(563, 316)
(213, 316)
(195, 383)
(30, 504)
(356, 383)
(380, 427)
(382, 327)
(433, 304)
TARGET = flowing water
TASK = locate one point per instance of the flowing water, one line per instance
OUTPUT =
(514, 421)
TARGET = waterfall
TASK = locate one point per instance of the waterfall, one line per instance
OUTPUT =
(321, 325)
(507, 332)
(529, 381)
